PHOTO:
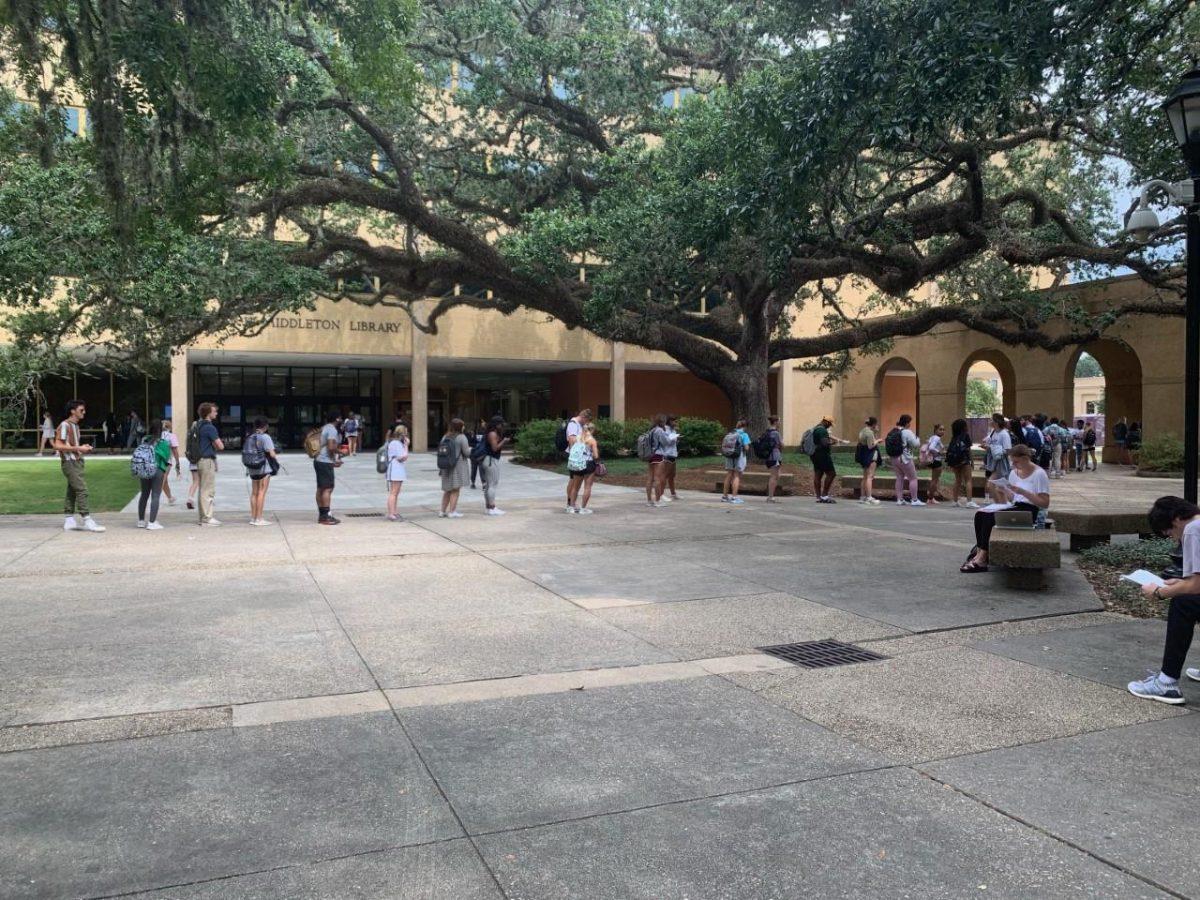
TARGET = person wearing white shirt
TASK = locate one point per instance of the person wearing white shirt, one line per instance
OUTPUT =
(397, 455)
(1026, 488)
(935, 449)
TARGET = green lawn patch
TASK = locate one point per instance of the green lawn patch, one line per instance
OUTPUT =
(29, 486)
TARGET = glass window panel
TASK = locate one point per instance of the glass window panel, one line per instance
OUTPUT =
(324, 382)
(368, 383)
(277, 382)
(231, 380)
(302, 382)
(253, 380)
(207, 383)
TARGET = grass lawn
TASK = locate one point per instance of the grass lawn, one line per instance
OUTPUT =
(28, 486)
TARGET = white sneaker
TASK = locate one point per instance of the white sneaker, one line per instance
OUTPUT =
(269, 522)
(171, 502)
(917, 503)
(1193, 674)
(454, 515)
(874, 501)
(69, 524)
(666, 499)
(211, 523)
(141, 523)
(971, 504)
(495, 511)
(441, 515)
(571, 510)
(584, 511)
(1153, 689)
(900, 502)
(90, 524)
(153, 526)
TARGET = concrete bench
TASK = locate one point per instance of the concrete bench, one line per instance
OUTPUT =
(1092, 527)
(887, 483)
(1025, 555)
(751, 478)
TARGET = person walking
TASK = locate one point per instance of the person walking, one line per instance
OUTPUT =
(489, 466)
(454, 464)
(658, 456)
(774, 460)
(112, 433)
(261, 461)
(71, 451)
(46, 435)
(151, 461)
(133, 430)
(998, 443)
(574, 431)
(1028, 488)
(352, 428)
(210, 444)
(958, 460)
(1179, 520)
(475, 438)
(397, 456)
(935, 451)
(824, 470)
(866, 454)
(670, 459)
(733, 448)
(327, 460)
(900, 444)
(168, 435)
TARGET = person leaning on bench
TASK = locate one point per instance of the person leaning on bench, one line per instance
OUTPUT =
(1027, 488)
(1179, 520)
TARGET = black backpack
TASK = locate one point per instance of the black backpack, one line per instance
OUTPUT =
(480, 450)
(894, 443)
(191, 446)
(959, 451)
(560, 439)
(447, 456)
(763, 446)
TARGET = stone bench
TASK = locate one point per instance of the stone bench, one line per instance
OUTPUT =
(1026, 554)
(1091, 527)
(751, 478)
(853, 483)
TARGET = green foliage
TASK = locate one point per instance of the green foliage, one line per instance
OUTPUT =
(699, 437)
(1087, 367)
(611, 435)
(1161, 453)
(535, 440)
(982, 398)
(1150, 554)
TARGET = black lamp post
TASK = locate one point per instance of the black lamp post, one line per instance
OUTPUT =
(1183, 109)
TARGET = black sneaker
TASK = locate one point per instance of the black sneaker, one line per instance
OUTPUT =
(329, 520)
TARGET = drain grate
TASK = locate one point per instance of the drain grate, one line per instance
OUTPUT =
(821, 654)
(363, 515)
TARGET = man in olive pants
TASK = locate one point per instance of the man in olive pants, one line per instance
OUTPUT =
(71, 451)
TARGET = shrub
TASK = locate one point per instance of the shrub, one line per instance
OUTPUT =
(633, 428)
(1154, 553)
(699, 437)
(535, 440)
(610, 434)
(1161, 453)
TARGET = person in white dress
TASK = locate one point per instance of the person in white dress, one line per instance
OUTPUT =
(47, 436)
(397, 454)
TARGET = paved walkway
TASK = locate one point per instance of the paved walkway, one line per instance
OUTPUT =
(549, 706)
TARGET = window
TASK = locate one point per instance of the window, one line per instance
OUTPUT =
(277, 382)
(71, 119)
(253, 380)
(1091, 407)
(231, 380)
(208, 384)
(324, 382)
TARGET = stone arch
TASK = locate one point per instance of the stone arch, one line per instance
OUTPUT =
(998, 360)
(1122, 385)
(899, 391)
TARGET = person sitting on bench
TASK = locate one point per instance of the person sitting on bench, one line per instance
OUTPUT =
(1027, 487)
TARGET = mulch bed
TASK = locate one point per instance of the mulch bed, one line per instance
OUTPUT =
(1121, 596)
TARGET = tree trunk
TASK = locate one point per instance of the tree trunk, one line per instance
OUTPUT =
(746, 387)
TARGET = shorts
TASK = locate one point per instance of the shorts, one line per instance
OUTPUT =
(656, 458)
(324, 472)
(935, 465)
(822, 461)
(589, 469)
(260, 476)
(736, 465)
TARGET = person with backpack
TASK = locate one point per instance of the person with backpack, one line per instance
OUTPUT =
(1077, 445)
(1056, 436)
(583, 463)
(1120, 432)
(261, 462)
(350, 429)
(958, 460)
(818, 443)
(396, 471)
(475, 438)
(168, 435)
(191, 452)
(209, 443)
(900, 444)
(1089, 447)
(488, 451)
(326, 460)
(866, 454)
(657, 440)
(769, 448)
(564, 439)
(454, 465)
(998, 443)
(670, 460)
(1133, 441)
(149, 463)
(934, 454)
(733, 448)
(1033, 439)
(71, 451)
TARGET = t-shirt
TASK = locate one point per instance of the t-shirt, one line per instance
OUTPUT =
(171, 438)
(999, 442)
(351, 425)
(671, 448)
(1191, 548)
(1038, 482)
(820, 437)
(208, 434)
(867, 436)
(328, 433)
(574, 430)
(162, 453)
(911, 442)
(68, 433)
(937, 449)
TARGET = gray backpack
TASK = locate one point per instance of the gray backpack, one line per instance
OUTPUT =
(808, 446)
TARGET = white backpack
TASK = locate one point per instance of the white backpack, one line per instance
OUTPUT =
(577, 458)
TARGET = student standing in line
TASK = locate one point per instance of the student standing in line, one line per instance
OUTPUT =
(904, 463)
(1179, 520)
(71, 451)
(658, 456)
(326, 461)
(958, 460)
(670, 458)
(397, 455)
(206, 465)
(733, 448)
(1054, 435)
(936, 450)
(454, 464)
(489, 467)
(168, 435)
(1089, 447)
(1077, 444)
(156, 458)
(46, 436)
(1133, 440)
(998, 443)
(351, 429)
(260, 442)
(1120, 431)
(473, 439)
(866, 454)
(574, 432)
(775, 461)
(824, 470)
(1028, 489)
(581, 465)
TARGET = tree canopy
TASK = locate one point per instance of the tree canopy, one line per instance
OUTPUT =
(719, 169)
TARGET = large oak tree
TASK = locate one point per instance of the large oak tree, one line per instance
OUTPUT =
(747, 158)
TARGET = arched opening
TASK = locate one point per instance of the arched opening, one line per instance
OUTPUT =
(1105, 381)
(898, 390)
(987, 384)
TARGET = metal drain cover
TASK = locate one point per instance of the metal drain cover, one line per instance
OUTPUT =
(821, 654)
(363, 515)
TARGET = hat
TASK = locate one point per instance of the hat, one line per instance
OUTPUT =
(828, 419)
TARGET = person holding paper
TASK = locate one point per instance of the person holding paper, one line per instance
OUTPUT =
(1026, 487)
(1178, 519)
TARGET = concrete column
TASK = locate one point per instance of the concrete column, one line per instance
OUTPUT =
(420, 387)
(616, 389)
(182, 412)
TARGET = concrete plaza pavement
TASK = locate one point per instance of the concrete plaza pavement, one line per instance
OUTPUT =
(552, 706)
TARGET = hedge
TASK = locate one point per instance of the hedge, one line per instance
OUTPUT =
(1161, 453)
(697, 437)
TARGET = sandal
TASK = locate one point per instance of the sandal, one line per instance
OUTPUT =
(972, 567)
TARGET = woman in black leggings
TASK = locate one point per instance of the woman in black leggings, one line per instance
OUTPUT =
(1028, 488)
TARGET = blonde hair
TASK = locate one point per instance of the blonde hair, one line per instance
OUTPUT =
(590, 428)
(399, 433)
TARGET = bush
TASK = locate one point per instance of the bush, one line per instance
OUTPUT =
(699, 437)
(535, 440)
(611, 435)
(1161, 453)
(1152, 554)
(634, 428)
